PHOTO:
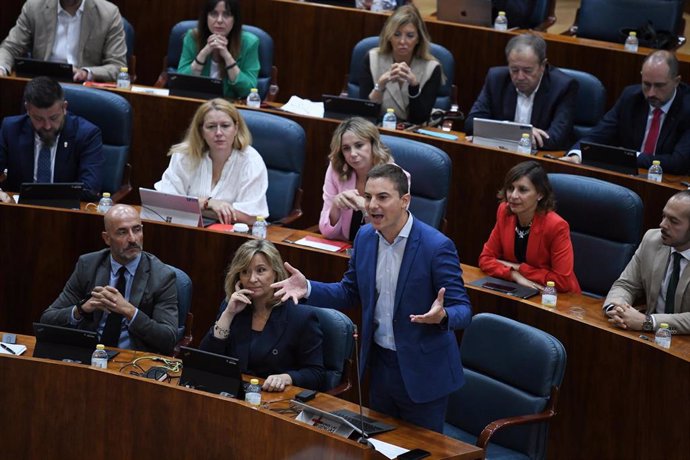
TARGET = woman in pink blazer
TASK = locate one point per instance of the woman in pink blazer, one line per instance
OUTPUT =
(530, 244)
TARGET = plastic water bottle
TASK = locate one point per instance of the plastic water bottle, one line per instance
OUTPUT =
(549, 296)
(655, 172)
(524, 145)
(663, 336)
(390, 121)
(252, 394)
(383, 5)
(99, 358)
(123, 78)
(631, 43)
(253, 99)
(105, 203)
(259, 228)
(501, 21)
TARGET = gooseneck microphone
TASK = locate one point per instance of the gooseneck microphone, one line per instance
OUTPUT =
(364, 439)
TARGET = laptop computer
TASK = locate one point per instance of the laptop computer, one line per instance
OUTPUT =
(617, 159)
(340, 108)
(194, 87)
(65, 195)
(27, 67)
(500, 134)
(66, 343)
(473, 12)
(171, 208)
(347, 420)
(506, 287)
(210, 372)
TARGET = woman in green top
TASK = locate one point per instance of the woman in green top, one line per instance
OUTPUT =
(218, 48)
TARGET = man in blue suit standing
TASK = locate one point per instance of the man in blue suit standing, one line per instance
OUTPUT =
(407, 278)
(48, 144)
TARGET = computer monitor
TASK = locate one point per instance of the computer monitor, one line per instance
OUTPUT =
(210, 372)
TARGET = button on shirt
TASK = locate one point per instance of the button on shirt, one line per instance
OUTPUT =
(661, 300)
(38, 145)
(388, 263)
(67, 32)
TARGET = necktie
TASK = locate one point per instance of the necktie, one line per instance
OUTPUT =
(653, 135)
(113, 325)
(673, 283)
(43, 166)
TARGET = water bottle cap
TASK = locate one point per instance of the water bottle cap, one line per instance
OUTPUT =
(632, 33)
(501, 13)
(390, 110)
(100, 346)
(254, 381)
(106, 195)
(663, 326)
(656, 162)
(260, 219)
(525, 135)
(254, 90)
(550, 284)
(124, 69)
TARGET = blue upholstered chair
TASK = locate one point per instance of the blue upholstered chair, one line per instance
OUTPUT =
(268, 73)
(605, 227)
(130, 39)
(113, 115)
(185, 318)
(281, 143)
(338, 344)
(590, 104)
(446, 93)
(430, 170)
(512, 377)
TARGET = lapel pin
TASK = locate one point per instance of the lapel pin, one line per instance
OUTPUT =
(65, 144)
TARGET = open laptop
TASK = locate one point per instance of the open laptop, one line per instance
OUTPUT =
(506, 287)
(210, 372)
(617, 159)
(348, 421)
(65, 195)
(194, 87)
(500, 134)
(29, 68)
(66, 344)
(171, 208)
(340, 108)
(473, 12)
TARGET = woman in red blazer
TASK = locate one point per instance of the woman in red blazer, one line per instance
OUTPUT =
(530, 244)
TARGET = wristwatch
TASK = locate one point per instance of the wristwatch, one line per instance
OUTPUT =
(378, 88)
(648, 324)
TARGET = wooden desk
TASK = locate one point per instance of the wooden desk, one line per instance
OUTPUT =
(113, 415)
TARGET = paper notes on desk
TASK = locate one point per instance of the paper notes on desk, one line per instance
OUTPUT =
(304, 107)
(323, 244)
(150, 90)
(387, 449)
(15, 349)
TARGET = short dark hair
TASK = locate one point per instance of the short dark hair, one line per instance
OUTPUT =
(536, 174)
(535, 42)
(393, 173)
(235, 36)
(682, 195)
(43, 92)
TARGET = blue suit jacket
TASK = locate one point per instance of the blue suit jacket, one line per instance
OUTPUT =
(428, 353)
(624, 126)
(79, 156)
(553, 110)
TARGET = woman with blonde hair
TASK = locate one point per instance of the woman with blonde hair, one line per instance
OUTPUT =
(216, 163)
(280, 342)
(401, 73)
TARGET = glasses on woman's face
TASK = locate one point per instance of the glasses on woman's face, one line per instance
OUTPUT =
(225, 15)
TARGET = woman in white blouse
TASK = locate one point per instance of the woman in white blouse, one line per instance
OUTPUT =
(216, 163)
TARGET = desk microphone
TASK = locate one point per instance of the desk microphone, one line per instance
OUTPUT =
(364, 439)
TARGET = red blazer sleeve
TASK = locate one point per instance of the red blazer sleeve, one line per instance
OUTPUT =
(495, 248)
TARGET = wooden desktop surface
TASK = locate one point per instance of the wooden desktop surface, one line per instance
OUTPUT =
(63, 410)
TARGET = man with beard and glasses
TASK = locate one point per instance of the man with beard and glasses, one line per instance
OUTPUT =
(125, 294)
(657, 274)
(49, 144)
(652, 118)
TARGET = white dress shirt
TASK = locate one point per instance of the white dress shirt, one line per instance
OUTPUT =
(67, 32)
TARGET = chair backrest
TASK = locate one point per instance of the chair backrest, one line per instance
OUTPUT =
(183, 283)
(540, 13)
(430, 170)
(445, 57)
(130, 38)
(605, 19)
(265, 52)
(113, 115)
(510, 369)
(338, 343)
(590, 104)
(281, 143)
(605, 227)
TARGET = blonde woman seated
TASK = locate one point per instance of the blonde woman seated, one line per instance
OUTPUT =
(217, 164)
(355, 148)
(530, 244)
(280, 342)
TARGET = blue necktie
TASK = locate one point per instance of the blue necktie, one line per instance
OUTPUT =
(43, 166)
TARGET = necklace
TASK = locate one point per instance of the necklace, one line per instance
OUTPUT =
(523, 232)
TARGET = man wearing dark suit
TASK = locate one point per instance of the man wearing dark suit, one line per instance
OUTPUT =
(85, 33)
(529, 91)
(407, 278)
(48, 144)
(652, 118)
(128, 296)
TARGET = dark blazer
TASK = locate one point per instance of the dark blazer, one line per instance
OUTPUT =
(426, 352)
(624, 126)
(153, 292)
(79, 156)
(518, 12)
(553, 110)
(291, 343)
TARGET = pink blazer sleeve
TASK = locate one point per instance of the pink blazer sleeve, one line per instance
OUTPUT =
(332, 186)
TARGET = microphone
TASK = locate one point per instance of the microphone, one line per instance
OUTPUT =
(364, 439)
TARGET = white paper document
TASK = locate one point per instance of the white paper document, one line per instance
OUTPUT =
(304, 107)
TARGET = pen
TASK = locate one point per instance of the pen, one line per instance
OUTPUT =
(5, 347)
